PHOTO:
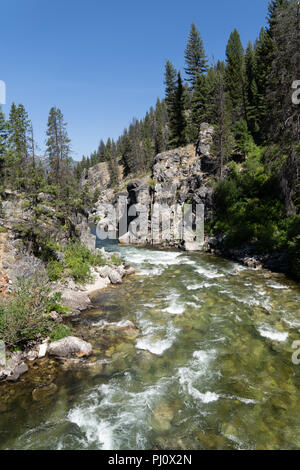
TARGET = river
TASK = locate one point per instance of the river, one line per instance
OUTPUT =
(211, 368)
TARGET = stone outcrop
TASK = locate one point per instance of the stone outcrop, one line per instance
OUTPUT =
(178, 178)
(98, 176)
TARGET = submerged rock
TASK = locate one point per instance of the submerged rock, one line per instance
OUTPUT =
(162, 418)
(75, 300)
(41, 393)
(70, 346)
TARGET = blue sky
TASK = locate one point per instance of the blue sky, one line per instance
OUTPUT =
(102, 62)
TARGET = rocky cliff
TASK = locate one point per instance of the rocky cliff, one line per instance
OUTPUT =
(24, 230)
(178, 177)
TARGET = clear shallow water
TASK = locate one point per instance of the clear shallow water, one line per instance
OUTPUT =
(211, 368)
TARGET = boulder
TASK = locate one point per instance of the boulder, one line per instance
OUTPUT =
(43, 349)
(42, 393)
(71, 346)
(193, 246)
(75, 300)
(114, 276)
(104, 271)
(55, 316)
(125, 239)
(17, 371)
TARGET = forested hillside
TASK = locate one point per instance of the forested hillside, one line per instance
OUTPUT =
(251, 100)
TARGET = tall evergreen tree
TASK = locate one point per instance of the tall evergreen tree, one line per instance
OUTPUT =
(170, 84)
(177, 119)
(58, 146)
(223, 140)
(235, 74)
(3, 134)
(110, 157)
(283, 114)
(195, 57)
(19, 126)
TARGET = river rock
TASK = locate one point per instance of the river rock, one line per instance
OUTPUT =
(70, 346)
(17, 371)
(43, 349)
(55, 316)
(15, 367)
(75, 300)
(125, 239)
(41, 393)
(161, 421)
(193, 246)
(114, 276)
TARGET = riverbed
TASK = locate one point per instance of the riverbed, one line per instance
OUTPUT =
(211, 367)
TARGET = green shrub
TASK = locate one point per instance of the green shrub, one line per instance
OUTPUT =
(24, 315)
(61, 331)
(116, 261)
(55, 270)
(78, 261)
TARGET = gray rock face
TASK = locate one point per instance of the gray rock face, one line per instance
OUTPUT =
(179, 177)
(205, 139)
(70, 347)
(97, 176)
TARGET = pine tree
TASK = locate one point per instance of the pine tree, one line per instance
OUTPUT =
(202, 106)
(58, 147)
(127, 156)
(273, 10)
(19, 126)
(235, 74)
(177, 119)
(223, 140)
(195, 57)
(3, 136)
(283, 115)
(170, 84)
(110, 157)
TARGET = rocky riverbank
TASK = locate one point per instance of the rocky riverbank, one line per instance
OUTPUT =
(76, 298)
(21, 243)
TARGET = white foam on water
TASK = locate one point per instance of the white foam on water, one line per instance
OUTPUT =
(207, 397)
(276, 285)
(208, 273)
(149, 341)
(175, 308)
(157, 347)
(121, 323)
(95, 431)
(292, 323)
(192, 304)
(195, 287)
(189, 376)
(118, 418)
(274, 335)
(247, 401)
